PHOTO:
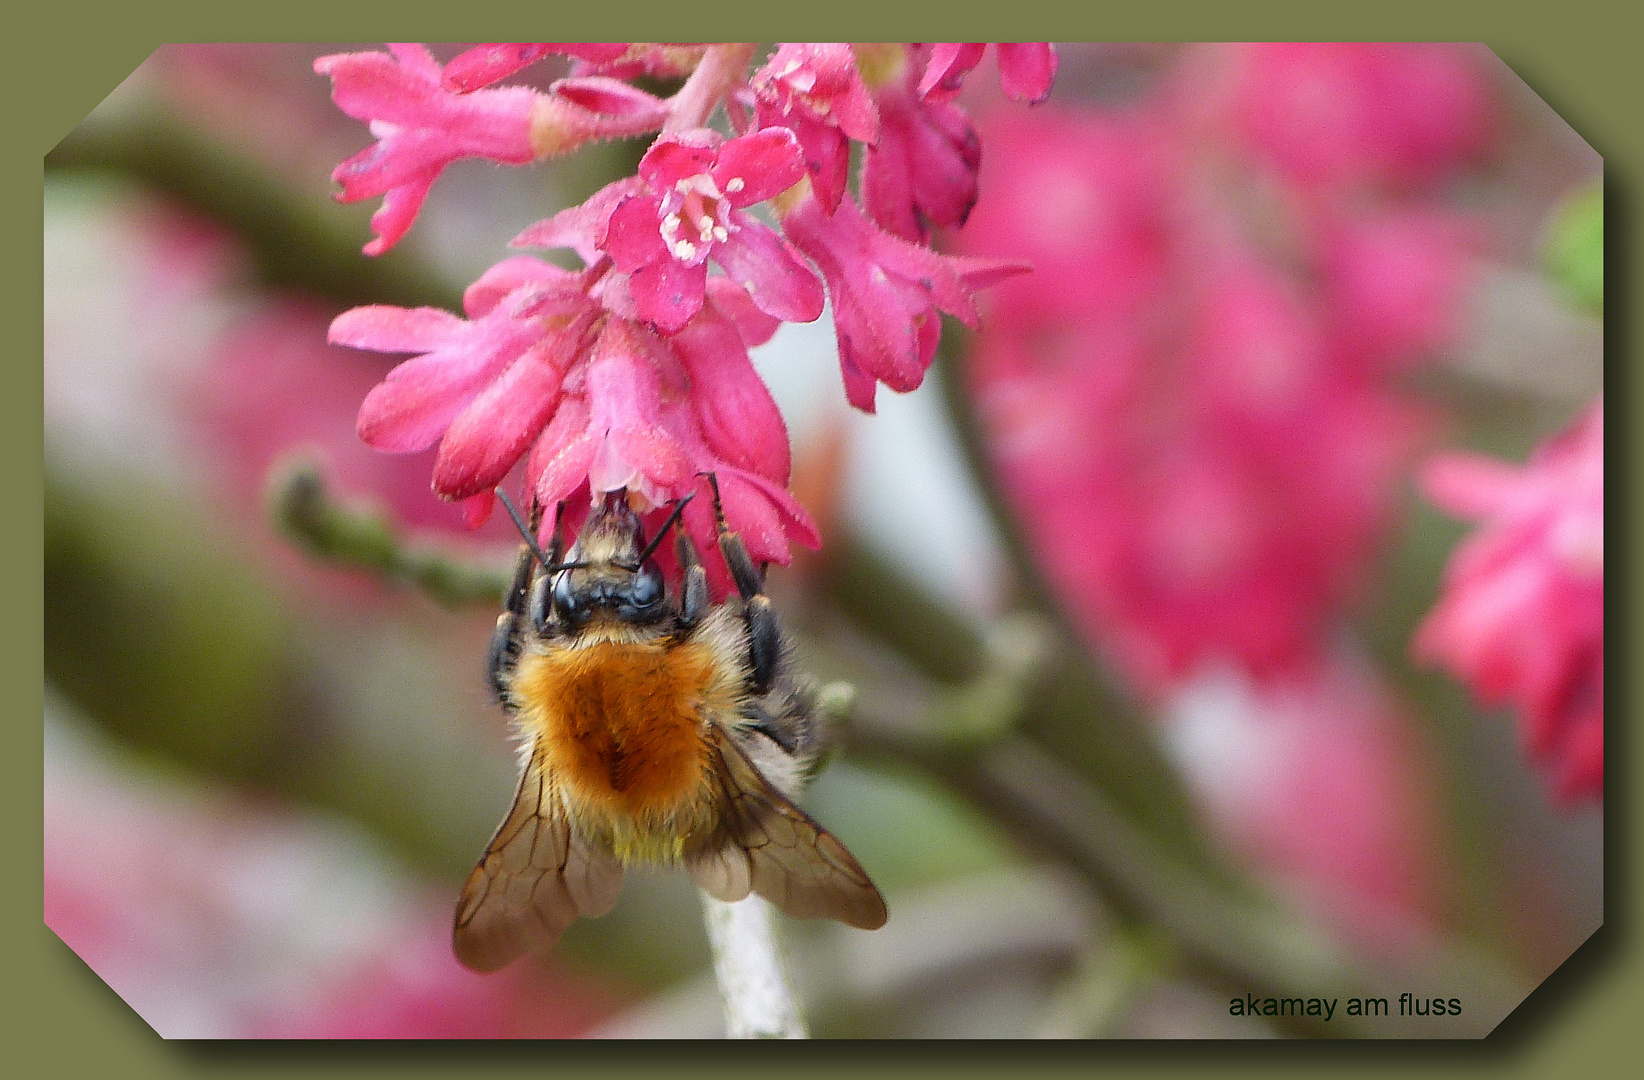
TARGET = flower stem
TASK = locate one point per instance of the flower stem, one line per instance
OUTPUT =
(718, 71)
(751, 970)
(306, 513)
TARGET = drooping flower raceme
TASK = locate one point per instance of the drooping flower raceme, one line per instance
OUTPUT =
(633, 373)
(1521, 615)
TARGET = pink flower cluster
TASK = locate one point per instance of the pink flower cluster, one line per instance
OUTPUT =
(634, 373)
(1191, 408)
(1189, 401)
(1521, 617)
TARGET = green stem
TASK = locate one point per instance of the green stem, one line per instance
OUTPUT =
(304, 511)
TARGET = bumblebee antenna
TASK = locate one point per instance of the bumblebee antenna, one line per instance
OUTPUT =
(667, 523)
(531, 541)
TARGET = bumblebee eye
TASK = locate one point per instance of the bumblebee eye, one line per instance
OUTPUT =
(566, 603)
(647, 586)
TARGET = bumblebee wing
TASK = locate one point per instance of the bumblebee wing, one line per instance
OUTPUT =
(773, 848)
(536, 876)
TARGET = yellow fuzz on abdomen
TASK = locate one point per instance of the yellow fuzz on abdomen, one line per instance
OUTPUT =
(619, 725)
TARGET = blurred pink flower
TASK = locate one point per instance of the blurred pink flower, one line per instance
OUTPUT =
(1318, 782)
(1394, 285)
(1521, 615)
(216, 917)
(1342, 115)
(1085, 198)
(886, 295)
(814, 90)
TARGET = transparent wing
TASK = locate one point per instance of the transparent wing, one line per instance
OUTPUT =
(773, 848)
(536, 877)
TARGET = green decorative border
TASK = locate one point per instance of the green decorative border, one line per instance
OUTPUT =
(64, 1022)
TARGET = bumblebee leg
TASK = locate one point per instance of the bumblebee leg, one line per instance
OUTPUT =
(504, 648)
(693, 601)
(543, 585)
(764, 636)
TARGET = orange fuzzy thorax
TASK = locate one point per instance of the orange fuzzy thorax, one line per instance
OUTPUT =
(619, 726)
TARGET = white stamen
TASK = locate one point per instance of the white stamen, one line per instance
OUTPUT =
(684, 249)
(720, 232)
(735, 184)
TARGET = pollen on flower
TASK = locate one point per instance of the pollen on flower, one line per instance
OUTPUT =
(734, 185)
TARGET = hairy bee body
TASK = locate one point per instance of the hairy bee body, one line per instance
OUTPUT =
(655, 729)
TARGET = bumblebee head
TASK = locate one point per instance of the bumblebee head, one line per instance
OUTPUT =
(609, 573)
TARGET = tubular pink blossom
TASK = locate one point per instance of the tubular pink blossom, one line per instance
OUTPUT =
(1026, 69)
(886, 295)
(1521, 615)
(461, 360)
(923, 169)
(815, 90)
(483, 65)
(420, 128)
(651, 415)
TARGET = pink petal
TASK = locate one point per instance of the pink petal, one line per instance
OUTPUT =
(1471, 486)
(754, 326)
(775, 276)
(483, 65)
(385, 328)
(768, 162)
(673, 158)
(476, 509)
(559, 462)
(508, 276)
(668, 293)
(613, 98)
(633, 234)
(580, 228)
(489, 436)
(1026, 69)
(739, 420)
(625, 401)
(950, 62)
(398, 211)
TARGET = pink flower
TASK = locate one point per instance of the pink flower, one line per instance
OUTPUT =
(1212, 497)
(1349, 114)
(1395, 284)
(1318, 782)
(922, 171)
(484, 387)
(886, 295)
(1085, 197)
(815, 90)
(593, 401)
(688, 204)
(651, 415)
(421, 127)
(1521, 615)
(483, 65)
(1026, 69)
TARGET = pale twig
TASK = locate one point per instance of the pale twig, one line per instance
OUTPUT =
(751, 970)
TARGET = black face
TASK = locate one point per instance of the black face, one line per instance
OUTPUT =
(610, 581)
(616, 593)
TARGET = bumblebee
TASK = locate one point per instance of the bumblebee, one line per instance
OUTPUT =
(656, 728)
